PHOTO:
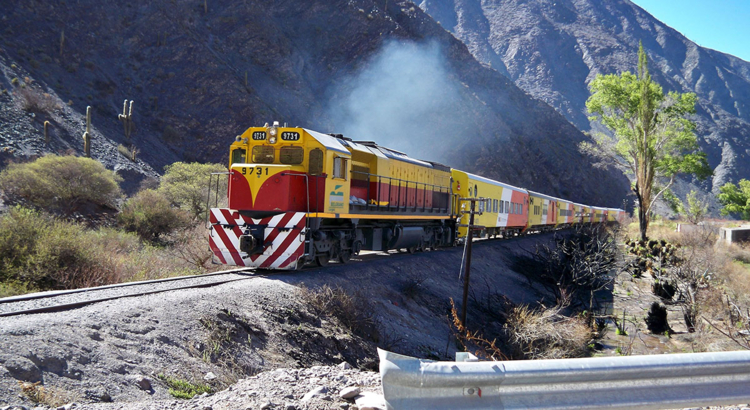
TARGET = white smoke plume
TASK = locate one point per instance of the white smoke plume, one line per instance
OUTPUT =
(403, 98)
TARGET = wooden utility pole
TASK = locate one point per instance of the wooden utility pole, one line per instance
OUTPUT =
(469, 239)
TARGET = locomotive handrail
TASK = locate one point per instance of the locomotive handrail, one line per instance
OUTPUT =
(216, 196)
(434, 187)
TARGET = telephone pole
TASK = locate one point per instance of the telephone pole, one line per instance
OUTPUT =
(469, 239)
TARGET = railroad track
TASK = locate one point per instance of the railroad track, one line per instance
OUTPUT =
(57, 301)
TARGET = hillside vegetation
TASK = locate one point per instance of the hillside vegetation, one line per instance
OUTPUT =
(64, 230)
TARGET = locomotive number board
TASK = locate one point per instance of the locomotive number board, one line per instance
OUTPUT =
(289, 136)
(259, 136)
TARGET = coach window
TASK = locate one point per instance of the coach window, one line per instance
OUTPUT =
(339, 168)
(291, 155)
(316, 162)
(263, 154)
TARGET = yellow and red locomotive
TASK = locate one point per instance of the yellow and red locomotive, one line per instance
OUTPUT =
(297, 196)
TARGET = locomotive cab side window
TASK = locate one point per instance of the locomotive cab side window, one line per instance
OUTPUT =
(316, 161)
(291, 155)
(339, 168)
(263, 154)
(239, 156)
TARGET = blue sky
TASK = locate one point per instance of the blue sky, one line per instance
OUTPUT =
(722, 25)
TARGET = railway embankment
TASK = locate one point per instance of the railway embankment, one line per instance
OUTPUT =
(133, 350)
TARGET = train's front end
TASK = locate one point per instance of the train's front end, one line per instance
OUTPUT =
(273, 171)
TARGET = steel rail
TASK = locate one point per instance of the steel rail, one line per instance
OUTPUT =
(75, 305)
(622, 382)
(51, 294)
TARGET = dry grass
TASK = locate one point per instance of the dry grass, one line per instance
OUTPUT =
(547, 334)
(51, 397)
(352, 310)
(190, 247)
(474, 341)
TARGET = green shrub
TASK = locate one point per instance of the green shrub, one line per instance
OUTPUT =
(186, 185)
(20, 230)
(60, 183)
(183, 389)
(150, 215)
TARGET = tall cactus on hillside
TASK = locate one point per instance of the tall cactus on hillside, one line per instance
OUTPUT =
(87, 134)
(46, 133)
(127, 118)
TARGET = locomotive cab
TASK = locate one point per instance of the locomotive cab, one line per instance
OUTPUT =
(280, 169)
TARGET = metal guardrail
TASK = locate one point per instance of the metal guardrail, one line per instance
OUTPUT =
(627, 382)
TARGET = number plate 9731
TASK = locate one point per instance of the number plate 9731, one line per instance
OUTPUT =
(289, 136)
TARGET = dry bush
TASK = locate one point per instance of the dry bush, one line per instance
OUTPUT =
(66, 184)
(151, 216)
(474, 341)
(575, 267)
(40, 252)
(190, 246)
(739, 252)
(34, 100)
(352, 310)
(547, 334)
(51, 397)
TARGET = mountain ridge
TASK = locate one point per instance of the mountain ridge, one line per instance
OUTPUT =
(554, 49)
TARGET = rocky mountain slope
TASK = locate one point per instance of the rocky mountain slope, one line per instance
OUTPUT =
(202, 72)
(553, 49)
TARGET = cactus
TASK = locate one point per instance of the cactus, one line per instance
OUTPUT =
(133, 151)
(127, 118)
(46, 133)
(87, 134)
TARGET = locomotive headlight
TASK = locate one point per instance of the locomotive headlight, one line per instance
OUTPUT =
(272, 139)
(272, 131)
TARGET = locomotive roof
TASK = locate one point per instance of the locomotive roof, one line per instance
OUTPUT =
(497, 183)
(392, 153)
(328, 141)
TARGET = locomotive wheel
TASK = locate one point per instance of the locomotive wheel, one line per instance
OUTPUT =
(412, 250)
(345, 256)
(322, 259)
